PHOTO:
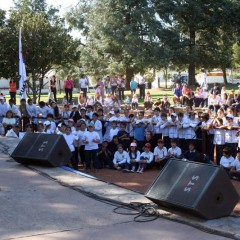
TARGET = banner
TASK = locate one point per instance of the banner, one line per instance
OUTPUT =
(22, 70)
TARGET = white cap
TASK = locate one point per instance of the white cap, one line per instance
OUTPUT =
(230, 116)
(74, 106)
(111, 112)
(1, 98)
(47, 123)
(138, 121)
(174, 114)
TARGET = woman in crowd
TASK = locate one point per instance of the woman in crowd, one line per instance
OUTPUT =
(68, 86)
(55, 110)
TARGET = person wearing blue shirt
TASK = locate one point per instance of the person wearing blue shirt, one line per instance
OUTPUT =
(139, 133)
(133, 86)
(177, 94)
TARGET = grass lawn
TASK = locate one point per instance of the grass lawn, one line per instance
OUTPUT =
(156, 93)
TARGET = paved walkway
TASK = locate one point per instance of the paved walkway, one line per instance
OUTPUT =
(31, 200)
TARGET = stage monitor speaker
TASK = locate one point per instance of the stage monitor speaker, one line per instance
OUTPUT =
(201, 189)
(42, 149)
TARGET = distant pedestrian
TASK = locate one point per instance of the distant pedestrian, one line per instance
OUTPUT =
(12, 89)
(133, 86)
(83, 84)
(141, 85)
(68, 88)
(53, 88)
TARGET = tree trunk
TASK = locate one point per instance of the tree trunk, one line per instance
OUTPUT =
(129, 76)
(191, 67)
(224, 75)
(166, 76)
(40, 89)
(34, 87)
(191, 75)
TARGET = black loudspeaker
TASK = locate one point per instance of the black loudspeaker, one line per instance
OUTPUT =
(42, 149)
(200, 189)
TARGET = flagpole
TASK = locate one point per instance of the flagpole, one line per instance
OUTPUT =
(22, 69)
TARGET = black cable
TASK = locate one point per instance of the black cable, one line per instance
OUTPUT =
(141, 210)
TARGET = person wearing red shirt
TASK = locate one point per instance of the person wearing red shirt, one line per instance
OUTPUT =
(68, 88)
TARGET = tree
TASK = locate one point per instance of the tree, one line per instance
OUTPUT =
(46, 41)
(236, 54)
(121, 37)
(198, 22)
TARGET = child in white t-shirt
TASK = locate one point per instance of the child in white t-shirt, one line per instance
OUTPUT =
(227, 160)
(70, 138)
(235, 169)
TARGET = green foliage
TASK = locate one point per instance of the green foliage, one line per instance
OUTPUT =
(236, 54)
(46, 42)
(138, 35)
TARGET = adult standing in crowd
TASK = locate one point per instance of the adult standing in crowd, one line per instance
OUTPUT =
(121, 87)
(53, 88)
(133, 86)
(203, 78)
(141, 85)
(101, 89)
(12, 89)
(68, 88)
(83, 84)
(113, 82)
(107, 85)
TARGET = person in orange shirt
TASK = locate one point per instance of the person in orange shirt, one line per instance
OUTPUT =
(12, 89)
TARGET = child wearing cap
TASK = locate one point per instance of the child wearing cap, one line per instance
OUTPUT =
(134, 157)
(172, 126)
(47, 127)
(146, 158)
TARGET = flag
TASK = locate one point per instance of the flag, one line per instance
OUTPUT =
(22, 69)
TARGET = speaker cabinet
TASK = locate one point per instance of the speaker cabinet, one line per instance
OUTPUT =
(200, 189)
(42, 149)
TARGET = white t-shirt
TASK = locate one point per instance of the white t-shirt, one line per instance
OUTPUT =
(236, 164)
(226, 162)
(83, 82)
(90, 136)
(175, 151)
(120, 158)
(11, 133)
(70, 141)
(112, 133)
(160, 153)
